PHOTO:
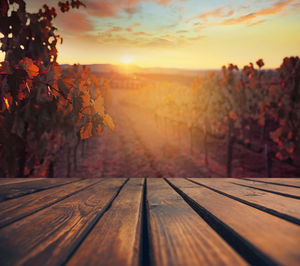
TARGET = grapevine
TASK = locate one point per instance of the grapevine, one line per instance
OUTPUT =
(252, 107)
(43, 107)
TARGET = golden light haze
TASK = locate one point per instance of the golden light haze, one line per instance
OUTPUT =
(179, 34)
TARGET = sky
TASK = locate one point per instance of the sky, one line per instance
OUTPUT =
(194, 34)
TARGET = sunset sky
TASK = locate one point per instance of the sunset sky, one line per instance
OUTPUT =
(179, 33)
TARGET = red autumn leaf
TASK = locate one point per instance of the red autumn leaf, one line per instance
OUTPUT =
(31, 69)
(233, 115)
(86, 131)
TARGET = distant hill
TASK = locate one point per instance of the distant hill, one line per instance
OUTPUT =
(174, 71)
(109, 68)
(101, 68)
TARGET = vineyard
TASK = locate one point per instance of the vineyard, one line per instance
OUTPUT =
(233, 122)
(124, 141)
(251, 109)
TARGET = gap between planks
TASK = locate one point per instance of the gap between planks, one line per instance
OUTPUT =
(144, 227)
(283, 191)
(49, 236)
(285, 208)
(15, 209)
(178, 235)
(19, 189)
(116, 237)
(273, 240)
(286, 182)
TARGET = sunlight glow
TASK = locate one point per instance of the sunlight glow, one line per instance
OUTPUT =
(127, 59)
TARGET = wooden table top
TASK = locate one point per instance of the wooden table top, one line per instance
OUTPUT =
(176, 221)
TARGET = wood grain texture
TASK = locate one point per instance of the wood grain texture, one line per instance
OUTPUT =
(178, 235)
(279, 190)
(15, 209)
(115, 239)
(276, 238)
(49, 236)
(294, 182)
(284, 207)
(5, 181)
(10, 191)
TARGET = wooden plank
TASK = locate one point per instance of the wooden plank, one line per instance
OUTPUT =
(279, 190)
(277, 239)
(5, 181)
(293, 182)
(11, 191)
(115, 239)
(49, 236)
(286, 208)
(15, 209)
(178, 235)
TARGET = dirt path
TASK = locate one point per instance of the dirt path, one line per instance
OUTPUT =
(144, 146)
(137, 147)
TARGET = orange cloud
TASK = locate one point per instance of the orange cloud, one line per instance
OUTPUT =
(164, 2)
(182, 31)
(142, 33)
(140, 39)
(103, 8)
(275, 8)
(114, 29)
(74, 22)
(131, 27)
(296, 6)
(230, 13)
(257, 22)
(111, 8)
(249, 19)
(159, 42)
(200, 37)
(241, 19)
(166, 36)
(217, 12)
(214, 13)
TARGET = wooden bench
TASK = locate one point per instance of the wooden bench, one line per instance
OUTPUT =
(151, 221)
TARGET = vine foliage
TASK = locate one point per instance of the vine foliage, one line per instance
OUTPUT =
(43, 107)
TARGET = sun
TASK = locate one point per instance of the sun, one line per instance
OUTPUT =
(127, 59)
